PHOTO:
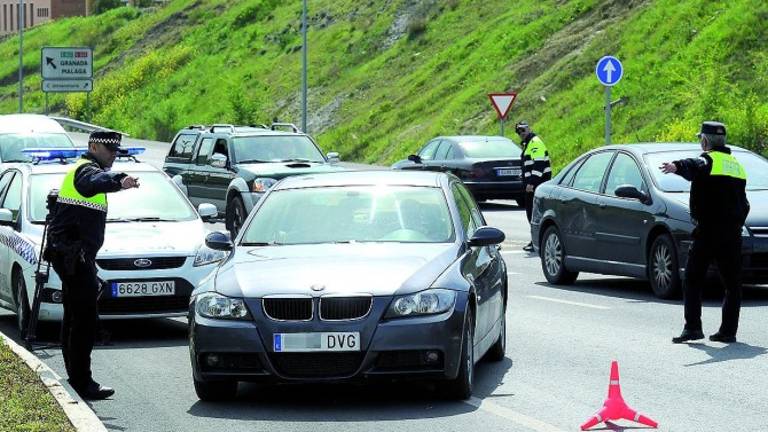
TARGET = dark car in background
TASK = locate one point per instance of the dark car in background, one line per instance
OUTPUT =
(382, 274)
(232, 167)
(489, 166)
(612, 211)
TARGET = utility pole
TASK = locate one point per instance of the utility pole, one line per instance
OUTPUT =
(304, 69)
(21, 56)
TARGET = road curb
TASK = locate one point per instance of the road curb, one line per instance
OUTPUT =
(79, 413)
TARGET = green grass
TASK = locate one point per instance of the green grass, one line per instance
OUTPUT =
(381, 98)
(25, 403)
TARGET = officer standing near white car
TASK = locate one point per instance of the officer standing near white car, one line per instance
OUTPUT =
(75, 235)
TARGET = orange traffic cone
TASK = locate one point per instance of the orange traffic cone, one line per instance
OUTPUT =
(614, 408)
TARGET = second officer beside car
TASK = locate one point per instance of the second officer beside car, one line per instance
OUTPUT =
(536, 167)
(75, 235)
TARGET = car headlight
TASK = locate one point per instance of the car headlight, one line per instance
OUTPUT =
(262, 184)
(431, 301)
(214, 305)
(206, 255)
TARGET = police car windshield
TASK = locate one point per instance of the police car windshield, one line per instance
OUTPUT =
(492, 148)
(155, 200)
(351, 214)
(11, 145)
(276, 148)
(755, 166)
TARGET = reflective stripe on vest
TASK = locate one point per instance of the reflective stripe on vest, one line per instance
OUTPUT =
(536, 149)
(68, 194)
(724, 164)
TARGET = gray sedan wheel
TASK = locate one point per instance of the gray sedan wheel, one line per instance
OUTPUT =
(663, 269)
(553, 259)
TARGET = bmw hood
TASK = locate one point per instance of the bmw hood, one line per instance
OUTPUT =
(758, 203)
(381, 269)
(131, 239)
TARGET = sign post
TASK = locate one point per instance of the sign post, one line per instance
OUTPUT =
(502, 102)
(609, 72)
(67, 70)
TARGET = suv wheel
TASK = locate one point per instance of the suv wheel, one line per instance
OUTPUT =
(663, 271)
(235, 216)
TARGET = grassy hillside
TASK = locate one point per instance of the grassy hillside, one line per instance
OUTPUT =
(386, 75)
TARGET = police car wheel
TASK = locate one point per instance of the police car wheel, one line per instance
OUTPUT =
(461, 387)
(22, 304)
(215, 390)
(235, 216)
(553, 259)
(663, 269)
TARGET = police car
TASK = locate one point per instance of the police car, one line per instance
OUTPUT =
(21, 131)
(153, 254)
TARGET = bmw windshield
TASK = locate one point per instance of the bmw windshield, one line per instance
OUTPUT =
(351, 214)
(276, 148)
(756, 167)
(155, 200)
(11, 145)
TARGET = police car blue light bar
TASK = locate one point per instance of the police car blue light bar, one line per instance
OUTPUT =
(54, 153)
(130, 151)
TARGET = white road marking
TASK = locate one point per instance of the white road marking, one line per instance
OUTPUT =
(572, 303)
(509, 414)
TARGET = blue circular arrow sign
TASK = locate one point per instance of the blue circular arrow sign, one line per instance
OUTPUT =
(609, 71)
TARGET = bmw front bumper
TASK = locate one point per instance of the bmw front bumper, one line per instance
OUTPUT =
(396, 348)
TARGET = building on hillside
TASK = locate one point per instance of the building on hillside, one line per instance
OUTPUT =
(37, 12)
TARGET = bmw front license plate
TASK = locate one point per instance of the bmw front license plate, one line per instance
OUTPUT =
(313, 342)
(143, 289)
(508, 172)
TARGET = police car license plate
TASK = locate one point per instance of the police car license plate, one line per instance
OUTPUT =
(508, 172)
(143, 289)
(313, 342)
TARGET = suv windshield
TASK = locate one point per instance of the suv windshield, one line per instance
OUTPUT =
(492, 148)
(156, 199)
(276, 148)
(351, 214)
(11, 145)
(756, 167)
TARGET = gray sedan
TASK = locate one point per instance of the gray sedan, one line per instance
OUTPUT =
(353, 276)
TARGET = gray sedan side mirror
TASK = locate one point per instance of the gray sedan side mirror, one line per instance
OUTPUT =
(486, 236)
(219, 241)
(218, 160)
(629, 191)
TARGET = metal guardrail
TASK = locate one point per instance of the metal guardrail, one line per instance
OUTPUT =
(83, 126)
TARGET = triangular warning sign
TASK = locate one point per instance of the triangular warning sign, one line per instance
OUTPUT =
(502, 102)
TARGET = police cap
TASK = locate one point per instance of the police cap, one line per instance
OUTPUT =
(711, 128)
(521, 126)
(108, 138)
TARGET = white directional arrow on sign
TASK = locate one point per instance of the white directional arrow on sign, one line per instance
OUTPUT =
(609, 69)
(502, 102)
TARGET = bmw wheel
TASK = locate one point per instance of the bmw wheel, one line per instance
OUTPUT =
(461, 386)
(498, 350)
(236, 215)
(663, 269)
(553, 259)
(22, 304)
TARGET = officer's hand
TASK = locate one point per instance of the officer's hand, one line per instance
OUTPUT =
(529, 188)
(129, 182)
(668, 168)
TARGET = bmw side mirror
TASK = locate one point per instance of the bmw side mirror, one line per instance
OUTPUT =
(415, 159)
(207, 211)
(6, 217)
(219, 241)
(629, 191)
(218, 160)
(333, 157)
(486, 236)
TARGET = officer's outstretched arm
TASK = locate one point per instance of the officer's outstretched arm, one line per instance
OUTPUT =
(693, 167)
(90, 180)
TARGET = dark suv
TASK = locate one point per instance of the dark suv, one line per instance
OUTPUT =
(233, 166)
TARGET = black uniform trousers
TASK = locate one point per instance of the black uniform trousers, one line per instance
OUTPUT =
(79, 327)
(723, 246)
(529, 204)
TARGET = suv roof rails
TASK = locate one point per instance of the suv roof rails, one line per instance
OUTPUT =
(228, 126)
(290, 125)
(259, 125)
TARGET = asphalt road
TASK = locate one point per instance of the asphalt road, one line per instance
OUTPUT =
(561, 341)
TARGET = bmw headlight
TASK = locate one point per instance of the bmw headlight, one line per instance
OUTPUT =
(215, 305)
(431, 301)
(206, 255)
(262, 184)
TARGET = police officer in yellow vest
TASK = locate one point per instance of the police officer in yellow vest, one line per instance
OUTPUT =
(536, 166)
(75, 235)
(719, 208)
